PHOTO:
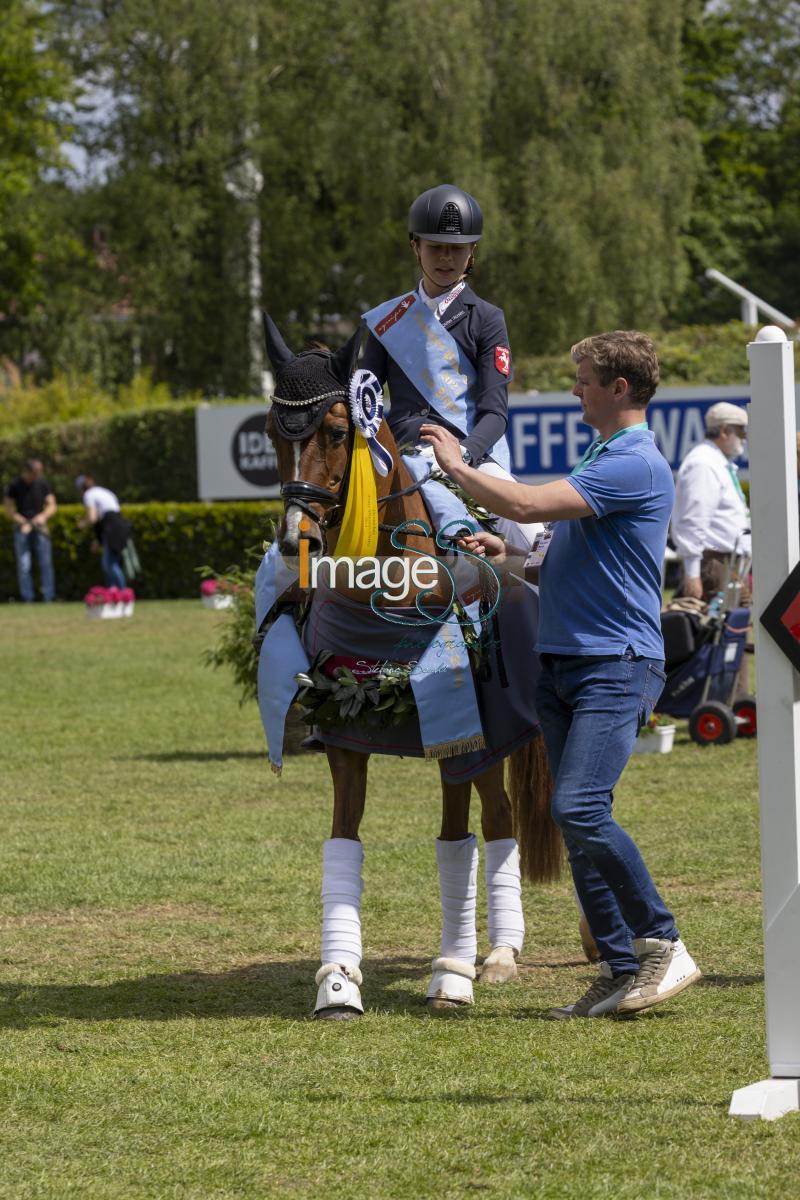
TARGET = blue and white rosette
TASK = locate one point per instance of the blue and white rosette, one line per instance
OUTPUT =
(366, 406)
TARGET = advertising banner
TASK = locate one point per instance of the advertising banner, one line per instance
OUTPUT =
(235, 458)
(548, 437)
(236, 461)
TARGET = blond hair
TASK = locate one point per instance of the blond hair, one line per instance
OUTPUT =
(623, 353)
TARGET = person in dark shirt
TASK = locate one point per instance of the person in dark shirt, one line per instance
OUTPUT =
(29, 503)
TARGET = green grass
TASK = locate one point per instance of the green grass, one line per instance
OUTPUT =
(159, 926)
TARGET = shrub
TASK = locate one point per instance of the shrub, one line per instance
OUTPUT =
(174, 542)
(693, 354)
(71, 397)
(144, 454)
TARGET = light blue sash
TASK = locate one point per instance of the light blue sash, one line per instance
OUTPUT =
(273, 578)
(444, 691)
(432, 359)
(282, 656)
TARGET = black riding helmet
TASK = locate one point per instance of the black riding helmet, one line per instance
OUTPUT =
(445, 214)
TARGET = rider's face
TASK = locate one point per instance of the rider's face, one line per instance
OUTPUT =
(442, 263)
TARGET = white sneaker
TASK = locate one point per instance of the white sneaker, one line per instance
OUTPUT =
(666, 969)
(604, 997)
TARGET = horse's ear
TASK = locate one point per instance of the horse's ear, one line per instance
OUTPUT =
(343, 362)
(279, 353)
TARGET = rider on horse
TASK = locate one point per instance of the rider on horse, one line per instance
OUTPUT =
(445, 224)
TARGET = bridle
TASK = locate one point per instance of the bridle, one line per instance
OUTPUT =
(301, 494)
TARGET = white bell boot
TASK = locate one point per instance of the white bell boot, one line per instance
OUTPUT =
(504, 904)
(339, 977)
(338, 997)
(451, 984)
(454, 969)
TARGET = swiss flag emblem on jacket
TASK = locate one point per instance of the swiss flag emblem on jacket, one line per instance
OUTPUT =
(502, 359)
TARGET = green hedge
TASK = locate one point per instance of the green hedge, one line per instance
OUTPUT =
(693, 354)
(142, 456)
(172, 540)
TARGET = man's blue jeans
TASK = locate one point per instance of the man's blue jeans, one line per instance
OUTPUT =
(591, 710)
(25, 544)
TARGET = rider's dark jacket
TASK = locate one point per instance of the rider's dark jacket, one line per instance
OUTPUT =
(480, 330)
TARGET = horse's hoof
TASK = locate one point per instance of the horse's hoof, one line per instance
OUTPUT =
(337, 1014)
(500, 966)
(588, 942)
(439, 1006)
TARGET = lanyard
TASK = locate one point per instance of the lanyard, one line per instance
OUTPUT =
(598, 446)
(735, 477)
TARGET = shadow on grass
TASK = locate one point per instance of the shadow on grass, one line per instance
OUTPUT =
(481, 1100)
(731, 981)
(177, 756)
(284, 988)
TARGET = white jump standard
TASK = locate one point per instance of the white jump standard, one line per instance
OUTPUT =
(775, 553)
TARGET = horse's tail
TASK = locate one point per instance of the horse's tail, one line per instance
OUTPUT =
(530, 786)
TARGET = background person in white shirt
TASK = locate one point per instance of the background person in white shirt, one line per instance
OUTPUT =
(110, 528)
(711, 518)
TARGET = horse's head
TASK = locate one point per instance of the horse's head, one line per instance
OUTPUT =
(309, 426)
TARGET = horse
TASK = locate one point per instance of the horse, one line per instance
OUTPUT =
(311, 427)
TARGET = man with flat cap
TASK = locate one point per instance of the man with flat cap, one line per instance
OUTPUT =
(711, 518)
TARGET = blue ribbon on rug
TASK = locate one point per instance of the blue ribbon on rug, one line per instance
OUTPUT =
(273, 578)
(444, 691)
(282, 657)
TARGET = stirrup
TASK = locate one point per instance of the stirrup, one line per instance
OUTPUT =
(338, 997)
(451, 981)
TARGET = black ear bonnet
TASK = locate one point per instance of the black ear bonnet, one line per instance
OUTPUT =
(308, 384)
(304, 391)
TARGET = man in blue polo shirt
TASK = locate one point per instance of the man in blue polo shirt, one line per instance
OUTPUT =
(602, 655)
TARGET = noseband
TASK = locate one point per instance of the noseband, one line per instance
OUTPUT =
(302, 495)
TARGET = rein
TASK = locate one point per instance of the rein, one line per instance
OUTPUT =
(302, 495)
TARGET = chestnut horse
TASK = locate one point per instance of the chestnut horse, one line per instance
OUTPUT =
(312, 430)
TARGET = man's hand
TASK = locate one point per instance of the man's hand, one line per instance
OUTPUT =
(692, 586)
(446, 447)
(26, 527)
(485, 545)
(40, 520)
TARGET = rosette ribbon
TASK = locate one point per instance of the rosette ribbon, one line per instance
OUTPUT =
(366, 407)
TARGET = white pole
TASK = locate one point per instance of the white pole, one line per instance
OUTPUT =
(776, 549)
(752, 304)
(749, 312)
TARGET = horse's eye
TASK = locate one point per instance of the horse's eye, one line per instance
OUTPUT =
(338, 434)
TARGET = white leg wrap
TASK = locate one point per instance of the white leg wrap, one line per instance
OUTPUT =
(504, 894)
(458, 880)
(341, 901)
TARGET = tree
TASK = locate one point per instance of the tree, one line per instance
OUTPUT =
(741, 68)
(34, 83)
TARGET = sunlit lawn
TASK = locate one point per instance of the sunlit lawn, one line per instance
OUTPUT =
(159, 925)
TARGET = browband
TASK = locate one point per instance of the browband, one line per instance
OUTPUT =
(309, 402)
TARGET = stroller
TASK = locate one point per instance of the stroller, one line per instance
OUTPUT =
(703, 653)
